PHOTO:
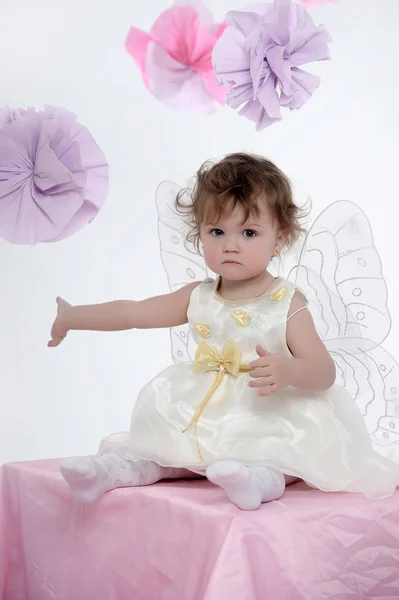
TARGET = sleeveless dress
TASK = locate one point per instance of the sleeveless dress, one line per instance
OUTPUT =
(193, 414)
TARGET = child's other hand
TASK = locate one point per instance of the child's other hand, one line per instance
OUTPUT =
(271, 371)
(59, 328)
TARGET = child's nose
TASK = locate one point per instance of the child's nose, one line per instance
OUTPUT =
(231, 244)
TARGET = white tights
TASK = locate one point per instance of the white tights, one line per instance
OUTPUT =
(247, 487)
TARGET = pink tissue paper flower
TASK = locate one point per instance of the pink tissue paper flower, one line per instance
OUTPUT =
(259, 55)
(175, 58)
(53, 175)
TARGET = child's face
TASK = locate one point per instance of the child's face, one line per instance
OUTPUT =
(237, 248)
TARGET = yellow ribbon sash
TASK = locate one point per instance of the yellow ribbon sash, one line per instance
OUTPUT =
(207, 359)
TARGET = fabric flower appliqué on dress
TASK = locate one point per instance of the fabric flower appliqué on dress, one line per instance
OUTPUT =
(175, 57)
(53, 175)
(259, 57)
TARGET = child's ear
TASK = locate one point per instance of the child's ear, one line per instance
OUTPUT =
(282, 238)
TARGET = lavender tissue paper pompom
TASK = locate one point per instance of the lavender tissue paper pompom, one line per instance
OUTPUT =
(53, 175)
(259, 57)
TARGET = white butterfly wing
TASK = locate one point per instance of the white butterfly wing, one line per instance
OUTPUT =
(340, 269)
(340, 272)
(181, 262)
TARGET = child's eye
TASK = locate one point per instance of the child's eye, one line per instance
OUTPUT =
(216, 232)
(249, 233)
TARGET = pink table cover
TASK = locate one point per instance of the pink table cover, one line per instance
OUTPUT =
(184, 541)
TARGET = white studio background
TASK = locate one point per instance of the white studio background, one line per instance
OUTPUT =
(341, 145)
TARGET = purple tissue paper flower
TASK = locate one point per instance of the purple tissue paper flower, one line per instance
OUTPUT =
(53, 175)
(259, 55)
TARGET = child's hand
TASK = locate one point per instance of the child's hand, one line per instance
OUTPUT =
(59, 328)
(271, 371)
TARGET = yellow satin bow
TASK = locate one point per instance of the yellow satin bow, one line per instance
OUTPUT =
(207, 359)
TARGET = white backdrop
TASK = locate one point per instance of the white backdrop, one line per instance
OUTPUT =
(341, 145)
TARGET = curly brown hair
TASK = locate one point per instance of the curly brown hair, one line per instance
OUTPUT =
(239, 179)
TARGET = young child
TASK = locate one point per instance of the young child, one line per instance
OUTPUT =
(257, 408)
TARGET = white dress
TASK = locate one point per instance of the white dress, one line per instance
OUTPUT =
(319, 437)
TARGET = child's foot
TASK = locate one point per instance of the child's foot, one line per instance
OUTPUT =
(88, 478)
(246, 487)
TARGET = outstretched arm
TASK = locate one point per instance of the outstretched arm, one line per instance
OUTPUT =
(167, 310)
